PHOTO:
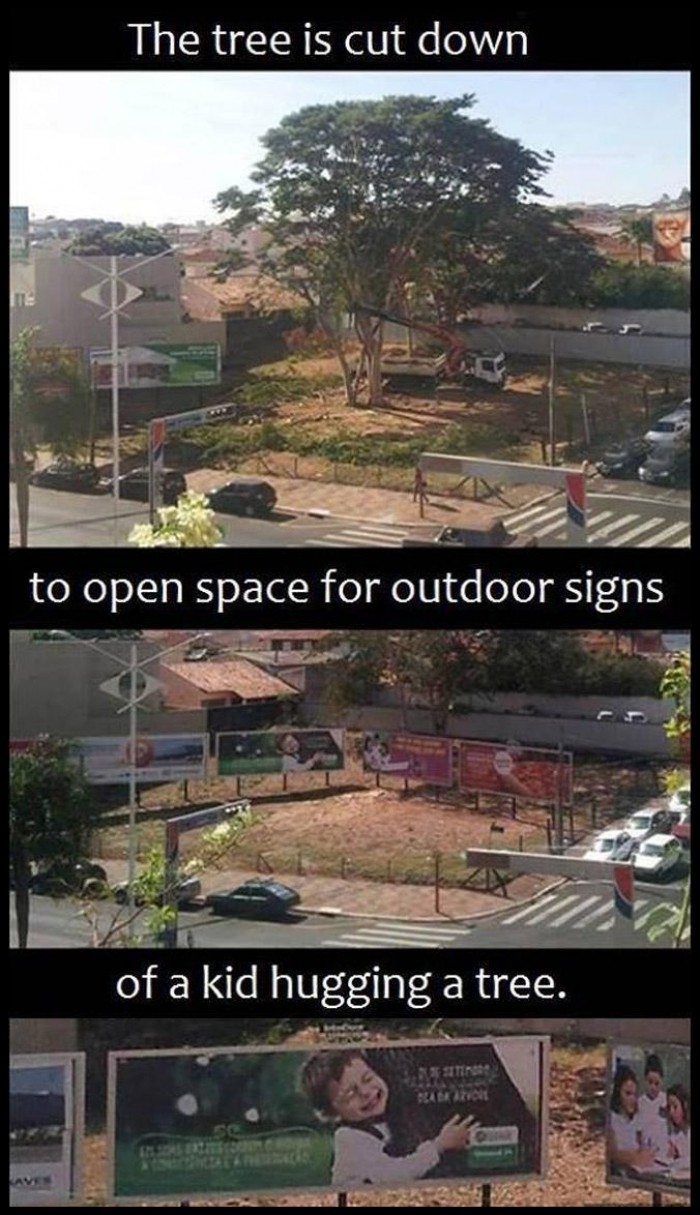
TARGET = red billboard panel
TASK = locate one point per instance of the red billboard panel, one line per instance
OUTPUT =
(415, 756)
(527, 772)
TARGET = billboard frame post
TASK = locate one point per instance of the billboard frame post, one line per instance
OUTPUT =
(486, 1194)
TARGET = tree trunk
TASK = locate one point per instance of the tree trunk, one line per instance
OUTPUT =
(22, 873)
(371, 336)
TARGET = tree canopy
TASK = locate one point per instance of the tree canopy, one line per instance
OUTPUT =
(52, 815)
(358, 195)
(110, 239)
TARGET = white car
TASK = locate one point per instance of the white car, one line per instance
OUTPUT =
(630, 330)
(680, 800)
(644, 823)
(673, 427)
(613, 845)
(594, 327)
(657, 855)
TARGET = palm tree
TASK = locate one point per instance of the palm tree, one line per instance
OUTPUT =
(638, 231)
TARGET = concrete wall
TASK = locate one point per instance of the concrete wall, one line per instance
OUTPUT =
(54, 689)
(667, 321)
(575, 707)
(649, 742)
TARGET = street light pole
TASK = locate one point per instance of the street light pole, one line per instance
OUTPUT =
(114, 334)
(133, 850)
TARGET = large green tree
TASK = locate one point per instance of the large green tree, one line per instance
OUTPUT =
(357, 197)
(50, 402)
(52, 814)
(619, 285)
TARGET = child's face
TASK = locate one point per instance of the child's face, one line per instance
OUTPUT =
(628, 1096)
(654, 1082)
(675, 1110)
(359, 1094)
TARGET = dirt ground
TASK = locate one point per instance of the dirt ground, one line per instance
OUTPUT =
(576, 1155)
(381, 832)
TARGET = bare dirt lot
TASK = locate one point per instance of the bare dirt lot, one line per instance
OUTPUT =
(576, 1155)
(386, 832)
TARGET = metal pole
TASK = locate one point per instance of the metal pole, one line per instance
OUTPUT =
(486, 1194)
(133, 670)
(114, 328)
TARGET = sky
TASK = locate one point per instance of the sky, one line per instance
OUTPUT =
(158, 146)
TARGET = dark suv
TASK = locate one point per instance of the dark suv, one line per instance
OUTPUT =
(667, 465)
(134, 485)
(243, 496)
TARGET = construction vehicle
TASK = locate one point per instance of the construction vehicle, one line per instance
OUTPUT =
(456, 365)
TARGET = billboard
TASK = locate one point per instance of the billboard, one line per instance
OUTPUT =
(648, 1118)
(200, 1122)
(46, 1128)
(528, 772)
(108, 761)
(159, 365)
(260, 751)
(672, 236)
(419, 756)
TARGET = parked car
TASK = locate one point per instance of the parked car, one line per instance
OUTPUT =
(248, 496)
(606, 715)
(672, 427)
(667, 464)
(134, 485)
(657, 855)
(613, 845)
(644, 823)
(623, 460)
(187, 890)
(680, 826)
(680, 800)
(594, 327)
(258, 899)
(61, 879)
(633, 717)
(630, 330)
(68, 475)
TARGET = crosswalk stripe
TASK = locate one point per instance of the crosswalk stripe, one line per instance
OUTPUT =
(371, 537)
(576, 910)
(536, 919)
(386, 939)
(646, 525)
(603, 527)
(665, 535)
(413, 930)
(603, 908)
(525, 911)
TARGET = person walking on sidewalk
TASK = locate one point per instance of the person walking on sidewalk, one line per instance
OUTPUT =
(420, 488)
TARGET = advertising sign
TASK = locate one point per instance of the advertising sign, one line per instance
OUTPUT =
(258, 751)
(648, 1118)
(419, 756)
(672, 236)
(108, 761)
(159, 365)
(201, 1122)
(46, 1128)
(527, 772)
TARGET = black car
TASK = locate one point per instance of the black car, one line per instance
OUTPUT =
(60, 880)
(243, 496)
(623, 461)
(258, 899)
(66, 474)
(134, 485)
(667, 465)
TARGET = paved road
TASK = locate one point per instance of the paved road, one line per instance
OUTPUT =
(58, 924)
(62, 520)
(577, 915)
(86, 520)
(614, 521)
